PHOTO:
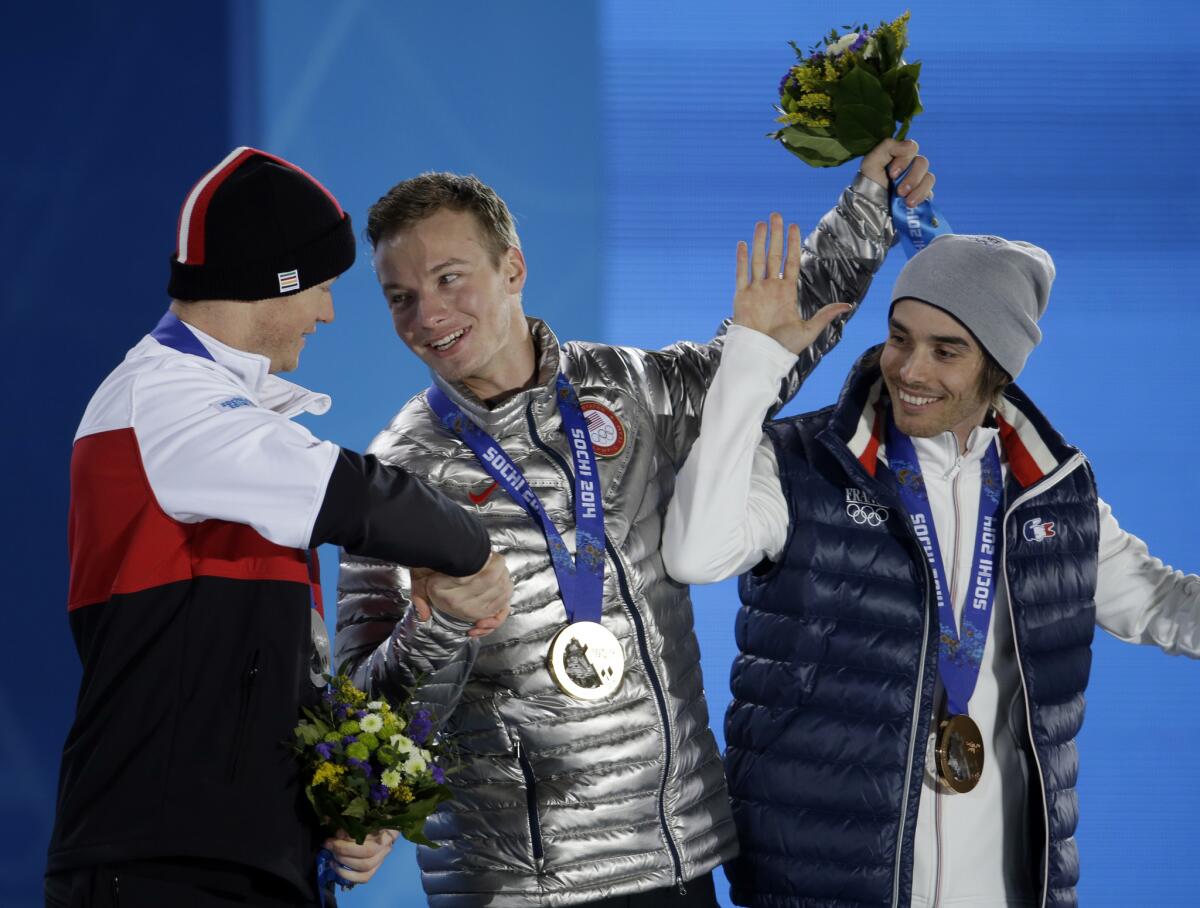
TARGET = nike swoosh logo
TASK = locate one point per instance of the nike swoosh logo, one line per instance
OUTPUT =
(481, 497)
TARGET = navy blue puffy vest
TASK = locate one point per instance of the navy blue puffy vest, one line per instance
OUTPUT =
(833, 687)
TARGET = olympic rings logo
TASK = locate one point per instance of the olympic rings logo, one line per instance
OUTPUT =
(872, 515)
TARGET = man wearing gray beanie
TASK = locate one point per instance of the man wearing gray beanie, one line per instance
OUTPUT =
(928, 560)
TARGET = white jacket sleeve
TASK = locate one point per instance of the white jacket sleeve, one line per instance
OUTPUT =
(208, 457)
(1141, 600)
(728, 511)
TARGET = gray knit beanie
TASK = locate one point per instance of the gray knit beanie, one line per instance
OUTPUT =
(998, 288)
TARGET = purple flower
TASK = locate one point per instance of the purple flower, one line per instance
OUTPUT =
(348, 740)
(361, 765)
(784, 81)
(327, 694)
(360, 714)
(379, 793)
(325, 750)
(860, 40)
(439, 775)
(340, 712)
(420, 727)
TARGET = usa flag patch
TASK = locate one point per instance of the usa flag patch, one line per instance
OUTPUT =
(289, 281)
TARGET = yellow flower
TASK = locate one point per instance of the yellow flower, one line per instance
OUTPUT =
(328, 772)
(402, 793)
(349, 692)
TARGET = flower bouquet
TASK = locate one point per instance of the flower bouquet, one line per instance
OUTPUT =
(848, 93)
(369, 768)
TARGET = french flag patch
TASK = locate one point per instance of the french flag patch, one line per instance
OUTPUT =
(289, 281)
(1038, 530)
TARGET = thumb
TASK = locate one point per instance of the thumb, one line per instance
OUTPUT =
(420, 603)
(824, 316)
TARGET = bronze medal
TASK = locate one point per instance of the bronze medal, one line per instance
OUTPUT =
(586, 661)
(959, 753)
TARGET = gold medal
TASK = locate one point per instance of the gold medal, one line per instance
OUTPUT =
(959, 753)
(586, 661)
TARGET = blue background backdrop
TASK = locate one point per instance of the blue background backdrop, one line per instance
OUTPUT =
(628, 140)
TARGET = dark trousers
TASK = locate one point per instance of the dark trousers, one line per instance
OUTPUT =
(700, 893)
(159, 884)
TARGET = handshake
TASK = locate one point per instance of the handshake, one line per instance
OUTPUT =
(481, 598)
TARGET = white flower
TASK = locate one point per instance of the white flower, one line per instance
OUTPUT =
(371, 723)
(414, 764)
(840, 45)
(426, 755)
(375, 705)
(402, 744)
(390, 778)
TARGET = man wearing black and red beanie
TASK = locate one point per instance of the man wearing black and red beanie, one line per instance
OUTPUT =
(195, 601)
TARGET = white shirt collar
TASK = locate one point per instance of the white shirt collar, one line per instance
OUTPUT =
(253, 372)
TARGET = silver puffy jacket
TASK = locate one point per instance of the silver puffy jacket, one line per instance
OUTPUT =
(559, 801)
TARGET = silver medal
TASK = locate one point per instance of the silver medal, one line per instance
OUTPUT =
(586, 661)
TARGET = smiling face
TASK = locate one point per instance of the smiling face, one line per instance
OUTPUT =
(933, 368)
(277, 327)
(455, 305)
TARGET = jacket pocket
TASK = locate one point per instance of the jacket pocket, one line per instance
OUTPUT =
(531, 803)
(245, 701)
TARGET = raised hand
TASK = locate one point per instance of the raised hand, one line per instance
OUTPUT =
(887, 160)
(765, 298)
(482, 598)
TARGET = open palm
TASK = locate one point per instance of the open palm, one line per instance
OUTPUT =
(765, 298)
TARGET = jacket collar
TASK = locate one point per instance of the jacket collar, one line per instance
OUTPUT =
(251, 371)
(1031, 446)
(494, 420)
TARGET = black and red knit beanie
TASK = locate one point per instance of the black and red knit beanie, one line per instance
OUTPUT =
(255, 227)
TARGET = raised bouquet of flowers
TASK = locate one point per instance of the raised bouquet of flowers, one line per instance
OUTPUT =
(369, 767)
(848, 93)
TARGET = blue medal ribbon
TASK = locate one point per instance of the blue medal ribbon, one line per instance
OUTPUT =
(174, 333)
(916, 226)
(959, 655)
(580, 579)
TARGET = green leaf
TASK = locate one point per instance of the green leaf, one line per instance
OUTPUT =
(308, 734)
(417, 836)
(885, 46)
(318, 721)
(356, 808)
(901, 85)
(859, 86)
(862, 111)
(356, 830)
(861, 128)
(814, 146)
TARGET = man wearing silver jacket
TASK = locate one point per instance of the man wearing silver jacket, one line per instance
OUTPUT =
(566, 795)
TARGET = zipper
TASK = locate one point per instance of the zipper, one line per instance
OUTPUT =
(535, 827)
(656, 685)
(243, 714)
(1047, 483)
(916, 720)
(853, 467)
(937, 791)
(643, 650)
(937, 845)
